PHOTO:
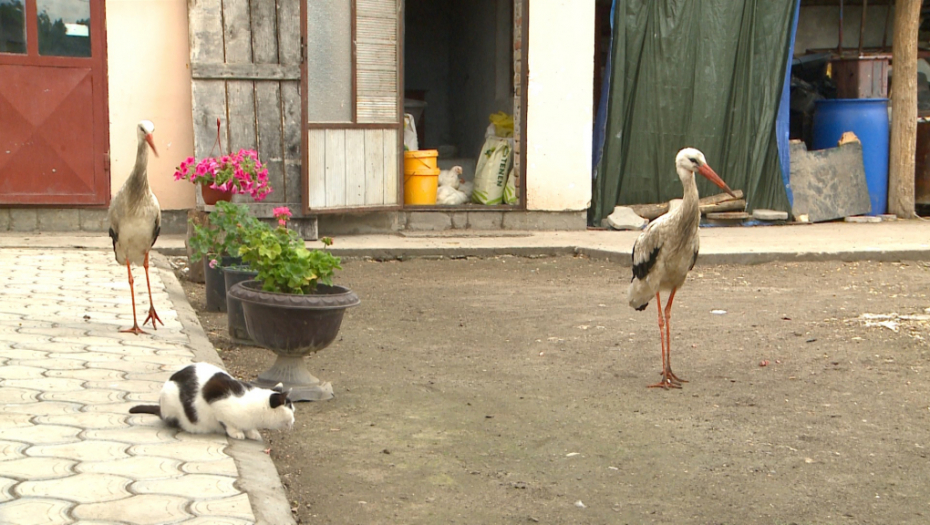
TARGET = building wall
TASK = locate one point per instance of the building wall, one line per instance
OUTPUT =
(819, 26)
(149, 78)
(560, 54)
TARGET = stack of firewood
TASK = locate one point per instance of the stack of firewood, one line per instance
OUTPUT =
(720, 206)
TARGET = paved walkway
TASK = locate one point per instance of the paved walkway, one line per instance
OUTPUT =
(71, 453)
(69, 450)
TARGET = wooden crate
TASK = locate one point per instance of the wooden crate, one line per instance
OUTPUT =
(862, 77)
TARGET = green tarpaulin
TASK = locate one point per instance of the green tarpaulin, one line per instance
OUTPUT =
(701, 73)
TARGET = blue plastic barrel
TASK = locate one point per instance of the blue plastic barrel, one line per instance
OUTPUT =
(868, 119)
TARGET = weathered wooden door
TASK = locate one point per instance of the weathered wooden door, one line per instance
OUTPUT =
(53, 112)
(353, 106)
(245, 66)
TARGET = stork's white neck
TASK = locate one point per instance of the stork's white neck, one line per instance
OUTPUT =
(689, 213)
(138, 182)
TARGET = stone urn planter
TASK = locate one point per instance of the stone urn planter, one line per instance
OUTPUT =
(294, 326)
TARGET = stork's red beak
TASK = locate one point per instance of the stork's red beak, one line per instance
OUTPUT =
(151, 141)
(712, 176)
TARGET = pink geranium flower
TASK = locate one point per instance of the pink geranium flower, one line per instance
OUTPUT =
(240, 173)
(282, 214)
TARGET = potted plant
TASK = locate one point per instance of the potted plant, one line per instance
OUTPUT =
(217, 243)
(292, 308)
(222, 177)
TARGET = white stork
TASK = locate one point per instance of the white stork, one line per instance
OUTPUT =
(135, 220)
(666, 251)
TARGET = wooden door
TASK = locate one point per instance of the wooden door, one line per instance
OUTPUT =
(53, 113)
(352, 105)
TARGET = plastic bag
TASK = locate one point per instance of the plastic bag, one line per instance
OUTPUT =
(491, 172)
(503, 124)
(512, 188)
(410, 133)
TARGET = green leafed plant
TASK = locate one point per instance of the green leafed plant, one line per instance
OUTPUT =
(282, 260)
(222, 234)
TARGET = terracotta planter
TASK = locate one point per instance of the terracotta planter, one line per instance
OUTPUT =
(294, 326)
(211, 195)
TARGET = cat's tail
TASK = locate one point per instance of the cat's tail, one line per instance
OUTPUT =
(155, 410)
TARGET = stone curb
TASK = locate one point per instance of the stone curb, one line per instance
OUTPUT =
(258, 476)
(624, 258)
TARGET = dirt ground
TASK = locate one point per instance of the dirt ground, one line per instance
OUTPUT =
(513, 390)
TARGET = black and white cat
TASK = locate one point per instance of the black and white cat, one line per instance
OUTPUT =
(202, 398)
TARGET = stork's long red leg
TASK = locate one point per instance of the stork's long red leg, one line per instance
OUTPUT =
(668, 338)
(153, 316)
(132, 293)
(667, 381)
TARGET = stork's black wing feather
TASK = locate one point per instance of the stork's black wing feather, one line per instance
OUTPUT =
(693, 260)
(113, 236)
(155, 232)
(641, 270)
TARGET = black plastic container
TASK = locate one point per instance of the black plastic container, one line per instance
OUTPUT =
(215, 283)
(235, 319)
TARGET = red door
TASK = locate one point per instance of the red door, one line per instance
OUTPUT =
(53, 113)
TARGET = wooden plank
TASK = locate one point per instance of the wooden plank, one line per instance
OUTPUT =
(355, 167)
(374, 166)
(264, 28)
(377, 8)
(205, 31)
(237, 31)
(215, 71)
(390, 166)
(316, 168)
(711, 203)
(375, 29)
(240, 97)
(335, 167)
(291, 127)
(209, 104)
(289, 32)
(270, 149)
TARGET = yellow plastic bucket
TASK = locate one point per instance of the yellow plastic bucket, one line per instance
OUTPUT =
(420, 161)
(420, 188)
(421, 177)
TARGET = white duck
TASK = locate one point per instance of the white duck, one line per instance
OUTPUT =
(135, 220)
(666, 251)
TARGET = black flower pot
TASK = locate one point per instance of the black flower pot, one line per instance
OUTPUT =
(294, 326)
(215, 283)
(235, 318)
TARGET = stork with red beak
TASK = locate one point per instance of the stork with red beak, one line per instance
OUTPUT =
(135, 220)
(666, 251)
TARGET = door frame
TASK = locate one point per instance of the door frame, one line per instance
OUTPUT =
(101, 139)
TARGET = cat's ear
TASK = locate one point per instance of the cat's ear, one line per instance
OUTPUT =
(279, 388)
(277, 399)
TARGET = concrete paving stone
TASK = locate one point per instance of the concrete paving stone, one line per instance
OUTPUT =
(217, 438)
(59, 331)
(17, 395)
(11, 450)
(87, 374)
(133, 435)
(143, 509)
(129, 367)
(218, 520)
(148, 398)
(88, 396)
(145, 420)
(88, 450)
(53, 365)
(38, 468)
(112, 408)
(232, 507)
(42, 408)
(50, 347)
(184, 450)
(108, 338)
(136, 468)
(27, 339)
(9, 420)
(40, 434)
(155, 344)
(6, 489)
(86, 420)
(88, 356)
(82, 488)
(21, 372)
(19, 353)
(223, 467)
(126, 385)
(47, 384)
(30, 511)
(203, 485)
(120, 350)
(33, 323)
(10, 316)
(175, 361)
(161, 375)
